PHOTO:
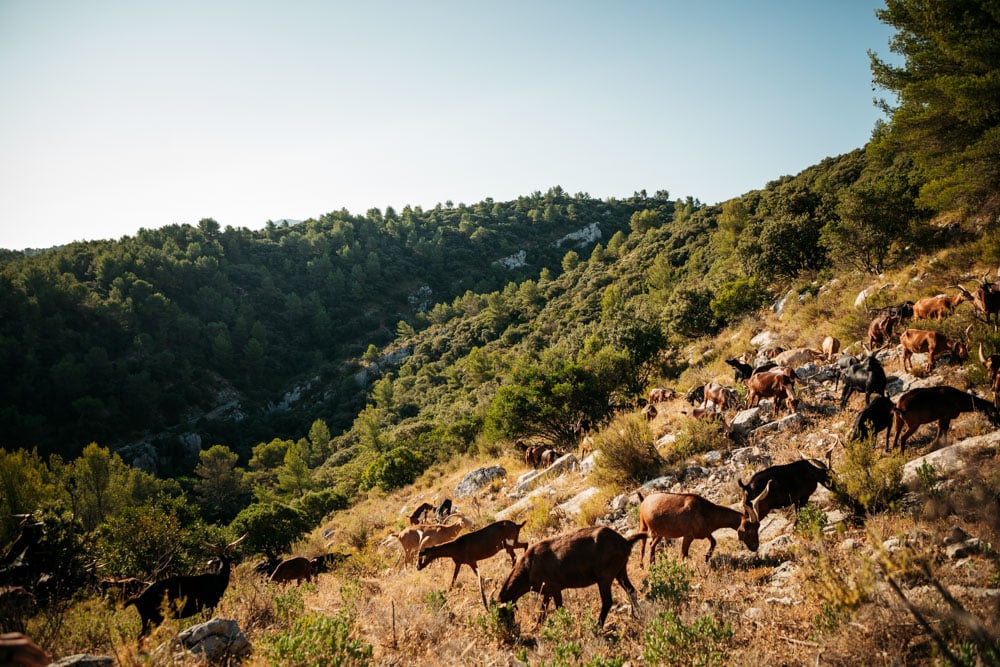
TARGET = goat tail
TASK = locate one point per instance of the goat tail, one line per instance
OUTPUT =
(635, 537)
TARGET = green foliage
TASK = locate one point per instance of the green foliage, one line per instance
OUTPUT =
(393, 469)
(690, 312)
(669, 581)
(219, 487)
(318, 640)
(550, 401)
(270, 527)
(696, 436)
(866, 480)
(139, 541)
(628, 456)
(810, 520)
(669, 641)
(946, 91)
(739, 297)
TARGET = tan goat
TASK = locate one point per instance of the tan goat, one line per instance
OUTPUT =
(422, 535)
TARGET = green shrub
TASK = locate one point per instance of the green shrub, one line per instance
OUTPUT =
(866, 480)
(316, 640)
(393, 469)
(669, 581)
(627, 453)
(669, 642)
(810, 520)
(697, 436)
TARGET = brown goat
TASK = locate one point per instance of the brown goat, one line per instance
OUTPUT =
(797, 357)
(659, 395)
(986, 300)
(931, 343)
(473, 547)
(831, 346)
(941, 404)
(720, 395)
(297, 568)
(880, 330)
(771, 385)
(581, 558)
(691, 517)
(936, 307)
(427, 534)
(418, 515)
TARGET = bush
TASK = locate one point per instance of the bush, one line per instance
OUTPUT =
(317, 640)
(669, 581)
(627, 453)
(697, 436)
(393, 469)
(867, 481)
(810, 520)
(669, 642)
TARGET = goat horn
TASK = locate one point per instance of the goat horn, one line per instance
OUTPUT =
(758, 499)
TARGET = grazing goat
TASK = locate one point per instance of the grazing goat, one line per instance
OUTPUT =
(411, 537)
(880, 330)
(659, 395)
(550, 456)
(797, 357)
(936, 307)
(721, 396)
(185, 595)
(691, 517)
(420, 514)
(831, 346)
(986, 300)
(649, 412)
(776, 385)
(941, 404)
(789, 484)
(326, 562)
(297, 568)
(875, 418)
(695, 395)
(581, 558)
(867, 375)
(741, 371)
(473, 547)
(992, 366)
(931, 343)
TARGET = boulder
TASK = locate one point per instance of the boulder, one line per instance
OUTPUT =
(574, 506)
(746, 421)
(218, 641)
(948, 461)
(477, 479)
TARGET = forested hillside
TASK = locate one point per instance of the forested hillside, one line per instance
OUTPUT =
(193, 383)
(112, 341)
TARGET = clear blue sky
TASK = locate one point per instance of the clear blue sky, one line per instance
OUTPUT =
(123, 114)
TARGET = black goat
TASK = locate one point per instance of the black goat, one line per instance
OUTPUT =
(186, 595)
(443, 510)
(741, 371)
(790, 484)
(875, 418)
(844, 363)
(696, 396)
(867, 376)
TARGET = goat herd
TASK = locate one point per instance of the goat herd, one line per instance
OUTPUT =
(599, 555)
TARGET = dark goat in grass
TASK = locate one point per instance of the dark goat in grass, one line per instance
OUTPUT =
(185, 595)
(577, 559)
(941, 404)
(875, 418)
(790, 484)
